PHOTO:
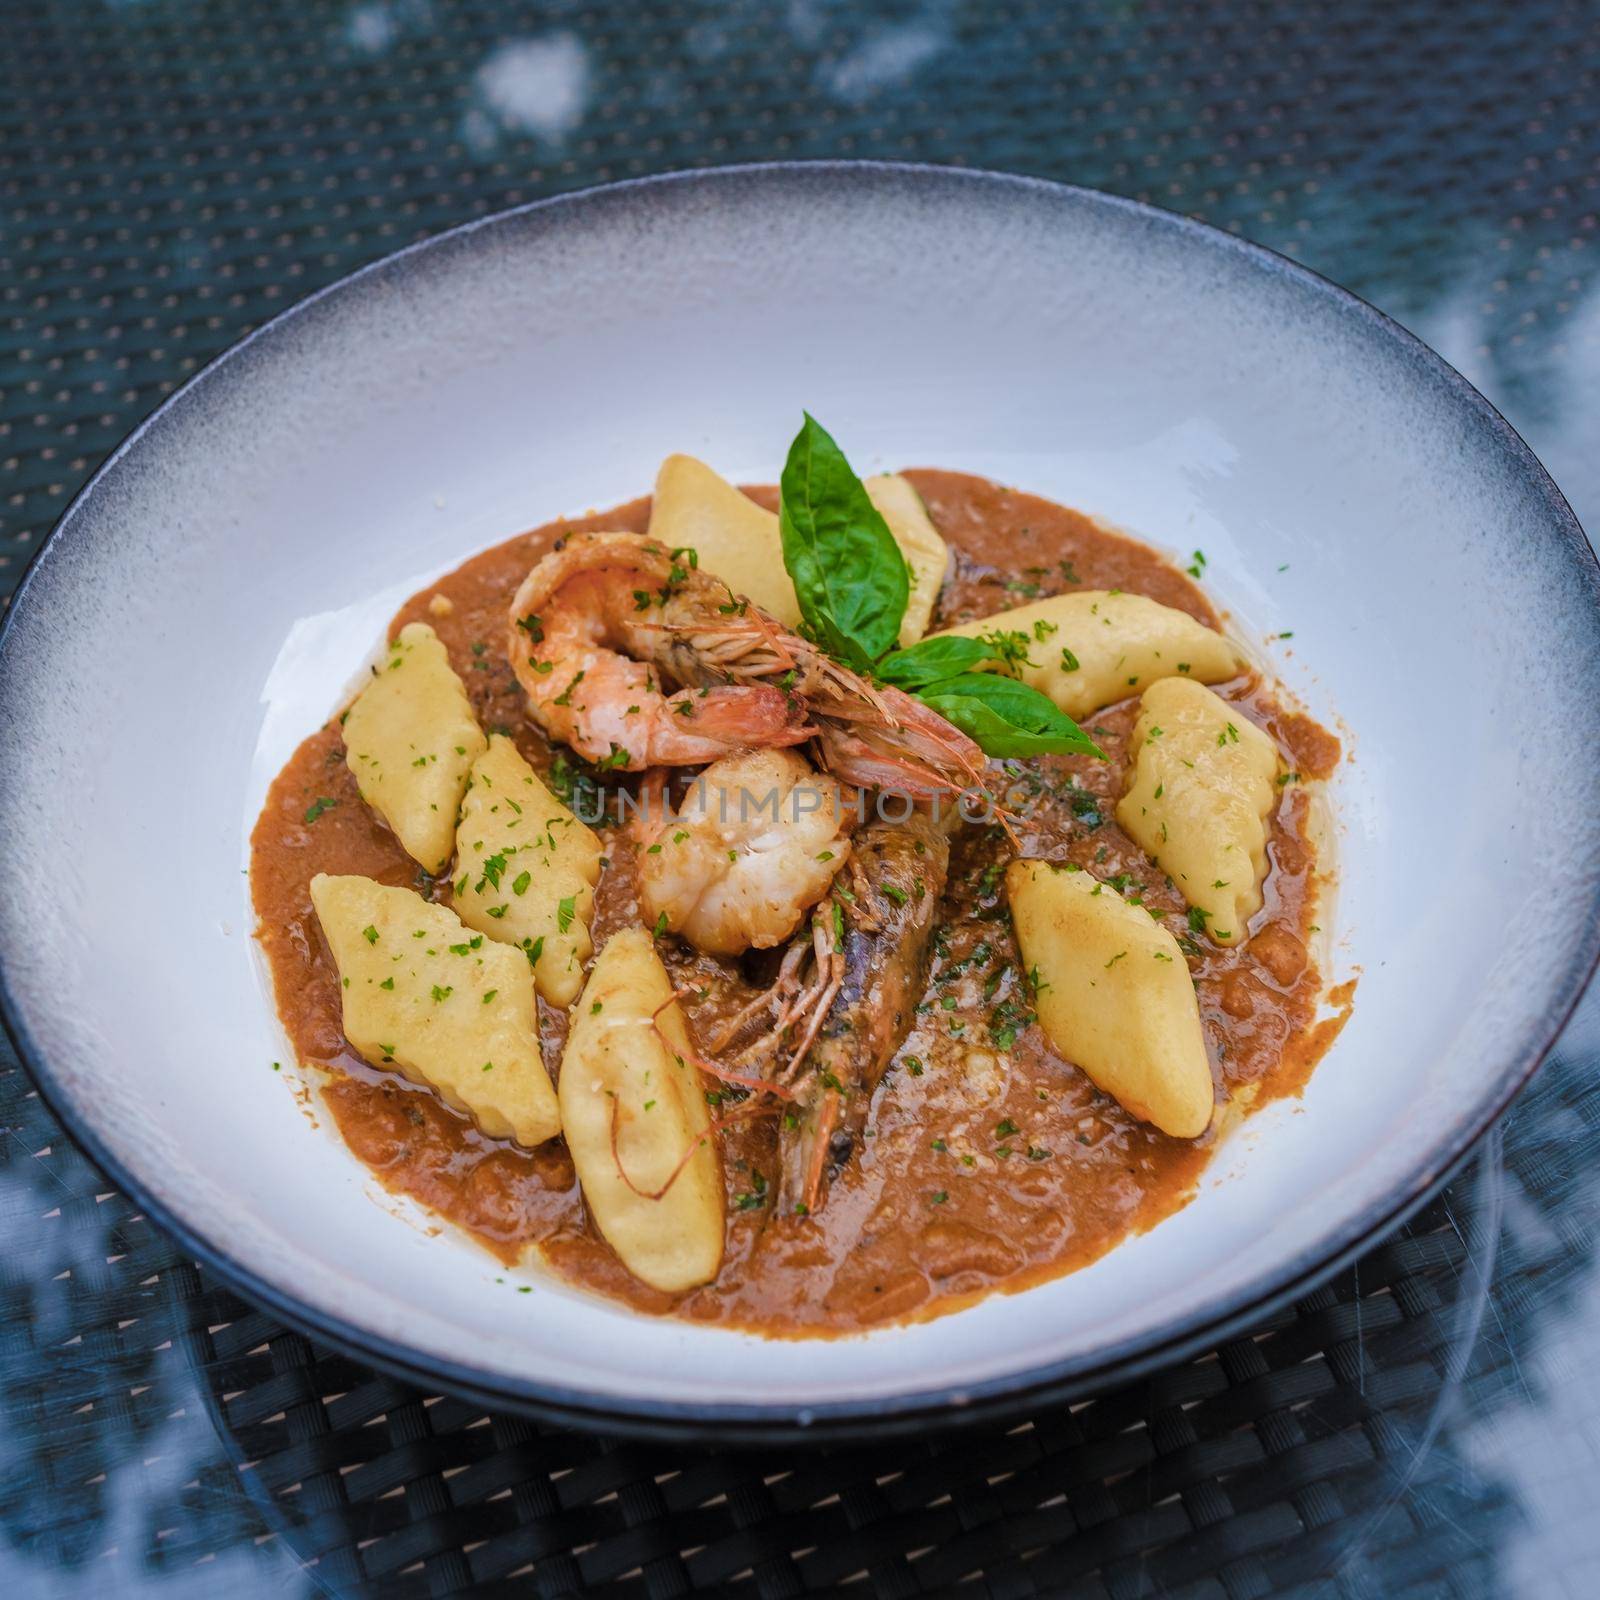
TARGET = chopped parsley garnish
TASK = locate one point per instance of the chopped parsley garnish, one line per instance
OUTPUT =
(1006, 1021)
(1010, 646)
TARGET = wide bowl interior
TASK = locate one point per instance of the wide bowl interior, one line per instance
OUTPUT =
(208, 600)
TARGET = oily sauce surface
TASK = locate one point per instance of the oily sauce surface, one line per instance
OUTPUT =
(989, 1162)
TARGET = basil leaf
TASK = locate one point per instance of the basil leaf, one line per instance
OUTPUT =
(930, 661)
(1007, 718)
(848, 573)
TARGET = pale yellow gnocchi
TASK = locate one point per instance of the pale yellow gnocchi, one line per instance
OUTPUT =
(733, 538)
(1113, 993)
(1204, 778)
(444, 1005)
(738, 541)
(634, 1112)
(927, 556)
(410, 739)
(1094, 647)
(526, 868)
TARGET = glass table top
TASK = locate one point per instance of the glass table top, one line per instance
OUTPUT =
(171, 174)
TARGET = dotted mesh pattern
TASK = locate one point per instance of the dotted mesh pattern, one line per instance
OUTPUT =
(1297, 1461)
(172, 174)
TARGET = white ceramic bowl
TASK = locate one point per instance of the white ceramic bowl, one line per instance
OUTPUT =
(208, 597)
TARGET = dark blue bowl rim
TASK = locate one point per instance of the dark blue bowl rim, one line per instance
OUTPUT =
(946, 1405)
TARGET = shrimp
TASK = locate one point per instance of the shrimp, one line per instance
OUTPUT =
(754, 847)
(636, 658)
(846, 995)
(583, 690)
(880, 960)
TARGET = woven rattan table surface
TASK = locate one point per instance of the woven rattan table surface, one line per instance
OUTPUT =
(173, 172)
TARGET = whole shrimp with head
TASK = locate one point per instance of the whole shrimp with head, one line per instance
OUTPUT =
(635, 658)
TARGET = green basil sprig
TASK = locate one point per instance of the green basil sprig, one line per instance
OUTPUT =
(852, 584)
(931, 661)
(848, 572)
(1007, 718)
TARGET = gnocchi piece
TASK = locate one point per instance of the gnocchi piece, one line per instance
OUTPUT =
(733, 538)
(926, 553)
(410, 738)
(738, 541)
(448, 1007)
(1204, 777)
(1089, 649)
(526, 869)
(635, 1116)
(1113, 993)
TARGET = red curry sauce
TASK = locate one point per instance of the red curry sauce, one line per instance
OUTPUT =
(989, 1162)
